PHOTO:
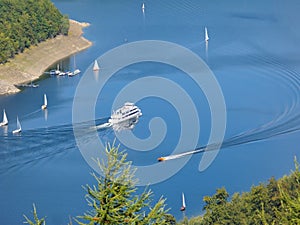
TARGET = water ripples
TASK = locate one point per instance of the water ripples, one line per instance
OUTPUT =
(36, 144)
(40, 143)
(287, 121)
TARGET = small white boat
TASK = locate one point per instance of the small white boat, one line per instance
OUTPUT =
(19, 128)
(62, 73)
(206, 35)
(29, 85)
(77, 71)
(5, 120)
(183, 203)
(128, 112)
(96, 66)
(143, 7)
(70, 74)
(55, 72)
(45, 102)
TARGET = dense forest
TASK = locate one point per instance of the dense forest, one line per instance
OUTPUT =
(27, 22)
(113, 200)
(276, 202)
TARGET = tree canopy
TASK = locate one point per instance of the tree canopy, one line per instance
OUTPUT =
(277, 202)
(27, 22)
(113, 199)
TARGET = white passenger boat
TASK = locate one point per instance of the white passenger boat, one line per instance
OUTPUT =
(128, 112)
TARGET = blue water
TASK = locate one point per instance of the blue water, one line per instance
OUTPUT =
(253, 52)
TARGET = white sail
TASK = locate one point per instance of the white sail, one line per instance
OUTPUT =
(96, 66)
(5, 120)
(45, 100)
(143, 6)
(183, 201)
(206, 35)
(19, 128)
(18, 124)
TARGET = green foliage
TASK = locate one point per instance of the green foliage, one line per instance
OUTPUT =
(37, 221)
(277, 202)
(27, 22)
(113, 199)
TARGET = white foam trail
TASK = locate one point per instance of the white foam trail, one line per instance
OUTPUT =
(103, 126)
(177, 156)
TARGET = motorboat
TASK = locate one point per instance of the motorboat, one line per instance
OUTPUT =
(160, 159)
(128, 112)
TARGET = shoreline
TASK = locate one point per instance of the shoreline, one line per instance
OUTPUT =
(32, 63)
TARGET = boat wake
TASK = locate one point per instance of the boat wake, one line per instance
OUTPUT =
(103, 126)
(41, 143)
(44, 143)
(285, 123)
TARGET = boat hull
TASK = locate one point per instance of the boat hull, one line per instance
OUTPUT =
(17, 131)
(2, 124)
(122, 120)
(160, 159)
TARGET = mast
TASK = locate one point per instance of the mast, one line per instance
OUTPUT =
(45, 100)
(18, 124)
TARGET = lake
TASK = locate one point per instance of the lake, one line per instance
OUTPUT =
(251, 61)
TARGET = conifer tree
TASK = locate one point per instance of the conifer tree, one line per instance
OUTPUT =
(36, 221)
(114, 200)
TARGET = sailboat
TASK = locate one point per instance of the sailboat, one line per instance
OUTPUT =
(76, 71)
(143, 7)
(96, 66)
(206, 35)
(45, 102)
(19, 129)
(183, 203)
(5, 120)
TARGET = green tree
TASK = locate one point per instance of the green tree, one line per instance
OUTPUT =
(290, 201)
(216, 207)
(27, 22)
(113, 199)
(36, 221)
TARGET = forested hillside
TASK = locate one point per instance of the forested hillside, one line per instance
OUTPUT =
(27, 22)
(277, 202)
